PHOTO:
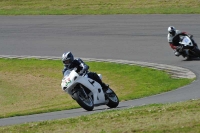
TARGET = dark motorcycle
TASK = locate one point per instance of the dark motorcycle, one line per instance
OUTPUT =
(187, 47)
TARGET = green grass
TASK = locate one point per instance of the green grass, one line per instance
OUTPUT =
(183, 117)
(30, 86)
(83, 7)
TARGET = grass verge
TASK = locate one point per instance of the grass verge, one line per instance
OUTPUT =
(183, 117)
(77, 7)
(30, 86)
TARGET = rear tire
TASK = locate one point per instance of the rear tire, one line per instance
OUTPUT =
(84, 102)
(112, 98)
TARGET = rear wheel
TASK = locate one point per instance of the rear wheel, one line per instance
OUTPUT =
(84, 100)
(112, 98)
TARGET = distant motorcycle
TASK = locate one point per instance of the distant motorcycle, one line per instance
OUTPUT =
(187, 47)
(87, 92)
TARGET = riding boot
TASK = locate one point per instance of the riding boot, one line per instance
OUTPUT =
(95, 77)
(104, 87)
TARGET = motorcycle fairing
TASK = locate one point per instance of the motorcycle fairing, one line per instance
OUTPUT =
(71, 80)
(186, 41)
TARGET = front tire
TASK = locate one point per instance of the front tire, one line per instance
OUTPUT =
(84, 101)
(112, 98)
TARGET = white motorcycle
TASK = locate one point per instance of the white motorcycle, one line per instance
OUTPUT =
(87, 92)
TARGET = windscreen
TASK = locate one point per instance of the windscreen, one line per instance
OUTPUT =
(67, 72)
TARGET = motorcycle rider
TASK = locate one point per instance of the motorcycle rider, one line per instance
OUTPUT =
(174, 41)
(71, 63)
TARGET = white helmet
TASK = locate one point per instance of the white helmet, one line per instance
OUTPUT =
(172, 30)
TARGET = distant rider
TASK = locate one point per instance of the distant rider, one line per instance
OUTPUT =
(174, 41)
(71, 63)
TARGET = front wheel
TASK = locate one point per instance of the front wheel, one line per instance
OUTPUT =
(84, 101)
(113, 100)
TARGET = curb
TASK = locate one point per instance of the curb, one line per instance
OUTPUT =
(174, 71)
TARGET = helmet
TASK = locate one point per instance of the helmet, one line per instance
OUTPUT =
(172, 30)
(67, 58)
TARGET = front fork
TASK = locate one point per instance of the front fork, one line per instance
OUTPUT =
(83, 91)
(79, 88)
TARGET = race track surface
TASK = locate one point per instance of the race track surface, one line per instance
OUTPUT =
(118, 37)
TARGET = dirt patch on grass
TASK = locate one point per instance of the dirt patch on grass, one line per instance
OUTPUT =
(27, 91)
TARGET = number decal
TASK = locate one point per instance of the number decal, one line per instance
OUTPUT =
(68, 81)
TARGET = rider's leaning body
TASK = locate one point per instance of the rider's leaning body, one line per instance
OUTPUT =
(174, 37)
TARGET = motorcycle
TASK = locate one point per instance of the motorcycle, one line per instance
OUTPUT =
(187, 47)
(86, 91)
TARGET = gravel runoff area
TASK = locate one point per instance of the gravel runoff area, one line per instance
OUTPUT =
(176, 72)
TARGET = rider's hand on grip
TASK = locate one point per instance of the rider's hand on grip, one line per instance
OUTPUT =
(83, 72)
(190, 36)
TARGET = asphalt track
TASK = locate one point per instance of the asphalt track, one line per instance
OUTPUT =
(136, 38)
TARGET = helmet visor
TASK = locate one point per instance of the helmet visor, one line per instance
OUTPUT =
(172, 33)
(66, 62)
